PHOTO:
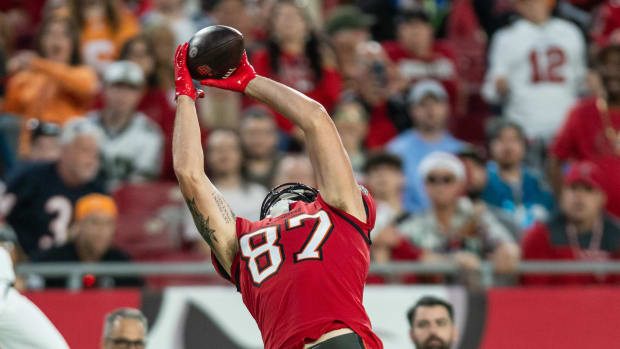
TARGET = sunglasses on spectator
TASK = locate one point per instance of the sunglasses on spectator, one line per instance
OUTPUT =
(440, 179)
(123, 343)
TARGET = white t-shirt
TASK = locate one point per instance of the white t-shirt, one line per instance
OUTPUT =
(7, 274)
(132, 154)
(545, 67)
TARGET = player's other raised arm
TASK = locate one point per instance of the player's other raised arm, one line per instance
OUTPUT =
(335, 178)
(212, 216)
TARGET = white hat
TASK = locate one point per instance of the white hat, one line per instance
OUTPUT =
(424, 88)
(440, 160)
(124, 72)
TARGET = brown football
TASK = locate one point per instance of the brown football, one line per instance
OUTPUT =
(214, 52)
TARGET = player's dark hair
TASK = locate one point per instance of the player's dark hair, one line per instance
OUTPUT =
(290, 191)
(151, 79)
(429, 301)
(72, 31)
(312, 49)
(381, 159)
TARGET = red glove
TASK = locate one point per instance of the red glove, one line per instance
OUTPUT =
(182, 80)
(238, 80)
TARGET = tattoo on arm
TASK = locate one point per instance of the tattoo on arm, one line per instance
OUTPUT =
(201, 222)
(227, 213)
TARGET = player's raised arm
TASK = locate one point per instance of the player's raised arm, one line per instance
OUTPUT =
(212, 216)
(335, 178)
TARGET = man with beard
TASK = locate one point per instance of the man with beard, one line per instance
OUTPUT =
(592, 131)
(432, 324)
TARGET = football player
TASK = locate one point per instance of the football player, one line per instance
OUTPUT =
(300, 269)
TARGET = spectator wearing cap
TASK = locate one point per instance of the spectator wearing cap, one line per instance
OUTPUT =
(452, 229)
(347, 27)
(536, 60)
(92, 234)
(419, 56)
(351, 120)
(39, 200)
(429, 108)
(259, 138)
(513, 186)
(132, 144)
(581, 232)
(591, 131)
(44, 144)
(51, 85)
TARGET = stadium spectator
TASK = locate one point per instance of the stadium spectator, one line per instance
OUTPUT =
(473, 159)
(295, 56)
(429, 109)
(39, 201)
(347, 27)
(385, 180)
(132, 144)
(377, 85)
(104, 26)
(581, 232)
(224, 163)
(44, 144)
(156, 103)
(44, 141)
(606, 24)
(592, 131)
(236, 14)
(50, 85)
(91, 237)
(513, 186)
(351, 119)
(173, 14)
(294, 168)
(419, 56)
(259, 137)
(536, 69)
(432, 324)
(124, 328)
(452, 229)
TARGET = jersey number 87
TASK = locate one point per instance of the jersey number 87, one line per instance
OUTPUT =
(265, 255)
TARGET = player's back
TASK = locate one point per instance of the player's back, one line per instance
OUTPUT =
(302, 274)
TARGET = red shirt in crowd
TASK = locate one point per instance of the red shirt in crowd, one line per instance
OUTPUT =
(381, 129)
(441, 65)
(583, 137)
(551, 242)
(295, 72)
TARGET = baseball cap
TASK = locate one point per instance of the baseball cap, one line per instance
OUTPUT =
(424, 88)
(439, 160)
(124, 72)
(584, 172)
(95, 203)
(347, 17)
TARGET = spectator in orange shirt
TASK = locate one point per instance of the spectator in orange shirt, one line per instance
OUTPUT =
(104, 27)
(50, 85)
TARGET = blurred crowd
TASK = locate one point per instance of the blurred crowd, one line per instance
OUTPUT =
(485, 130)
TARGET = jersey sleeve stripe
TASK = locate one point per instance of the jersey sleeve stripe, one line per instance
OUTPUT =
(354, 225)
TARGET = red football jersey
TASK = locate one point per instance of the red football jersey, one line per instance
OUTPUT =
(302, 274)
